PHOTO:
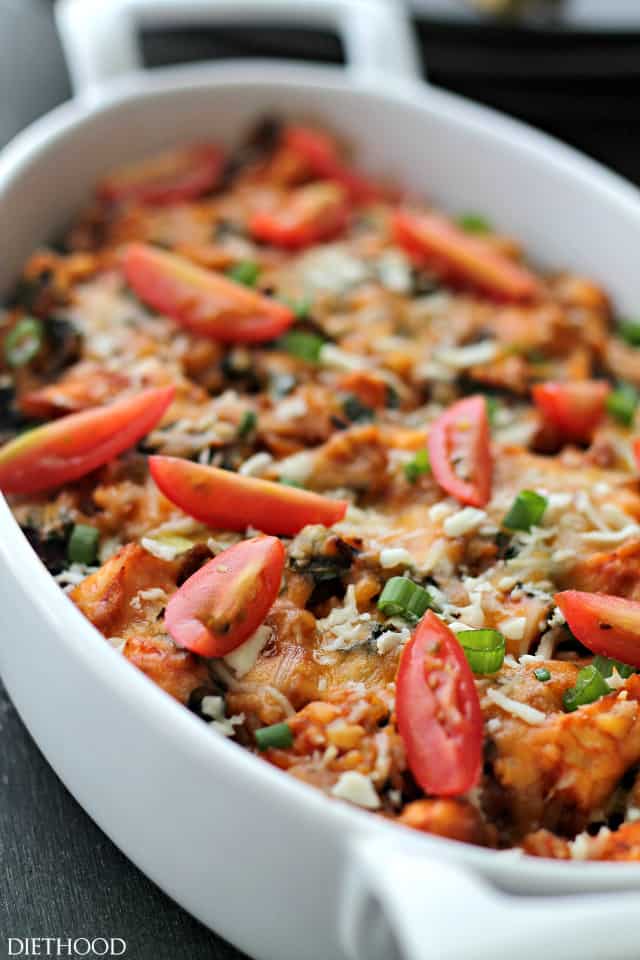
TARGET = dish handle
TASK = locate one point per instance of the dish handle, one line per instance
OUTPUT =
(99, 37)
(398, 904)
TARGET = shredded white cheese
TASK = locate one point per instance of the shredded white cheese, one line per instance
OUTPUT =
(513, 628)
(521, 710)
(356, 788)
(256, 465)
(243, 658)
(395, 557)
(464, 521)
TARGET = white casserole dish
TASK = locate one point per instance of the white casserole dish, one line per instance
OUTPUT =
(266, 861)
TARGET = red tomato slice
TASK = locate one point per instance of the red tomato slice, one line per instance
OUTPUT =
(573, 408)
(230, 501)
(172, 177)
(604, 624)
(460, 451)
(433, 240)
(308, 215)
(69, 448)
(225, 602)
(438, 711)
(205, 302)
(322, 157)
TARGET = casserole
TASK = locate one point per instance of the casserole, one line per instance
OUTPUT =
(146, 771)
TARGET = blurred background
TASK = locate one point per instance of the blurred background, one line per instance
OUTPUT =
(571, 67)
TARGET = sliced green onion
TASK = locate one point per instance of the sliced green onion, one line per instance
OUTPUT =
(605, 667)
(402, 597)
(302, 308)
(355, 410)
(83, 544)
(245, 272)
(290, 482)
(622, 403)
(417, 466)
(590, 686)
(493, 405)
(526, 511)
(305, 346)
(484, 649)
(629, 330)
(23, 342)
(278, 735)
(247, 424)
(542, 674)
(474, 223)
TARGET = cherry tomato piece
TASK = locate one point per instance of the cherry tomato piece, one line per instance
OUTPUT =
(604, 624)
(574, 409)
(321, 156)
(307, 215)
(224, 602)
(205, 302)
(438, 711)
(433, 240)
(460, 451)
(69, 448)
(175, 176)
(230, 501)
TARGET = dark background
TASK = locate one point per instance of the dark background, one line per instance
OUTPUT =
(61, 876)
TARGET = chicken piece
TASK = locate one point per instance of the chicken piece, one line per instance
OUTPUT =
(623, 361)
(617, 572)
(559, 767)
(354, 458)
(543, 843)
(455, 819)
(124, 599)
(84, 385)
(620, 844)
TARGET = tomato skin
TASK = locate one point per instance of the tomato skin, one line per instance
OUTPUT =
(321, 155)
(438, 711)
(604, 624)
(207, 303)
(466, 420)
(573, 408)
(224, 602)
(69, 448)
(175, 176)
(431, 239)
(230, 501)
(307, 215)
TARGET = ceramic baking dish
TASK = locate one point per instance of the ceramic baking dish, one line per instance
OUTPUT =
(268, 862)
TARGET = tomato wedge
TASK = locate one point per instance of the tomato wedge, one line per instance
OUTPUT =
(433, 240)
(230, 501)
(225, 602)
(205, 302)
(69, 448)
(438, 711)
(574, 409)
(604, 624)
(321, 156)
(308, 215)
(172, 177)
(460, 451)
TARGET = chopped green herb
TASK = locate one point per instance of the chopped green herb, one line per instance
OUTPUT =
(493, 405)
(417, 466)
(402, 597)
(83, 544)
(474, 223)
(526, 511)
(278, 735)
(605, 667)
(355, 410)
(622, 403)
(305, 346)
(542, 674)
(247, 424)
(484, 649)
(245, 272)
(23, 342)
(590, 686)
(290, 482)
(629, 330)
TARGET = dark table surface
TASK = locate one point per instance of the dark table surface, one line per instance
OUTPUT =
(61, 875)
